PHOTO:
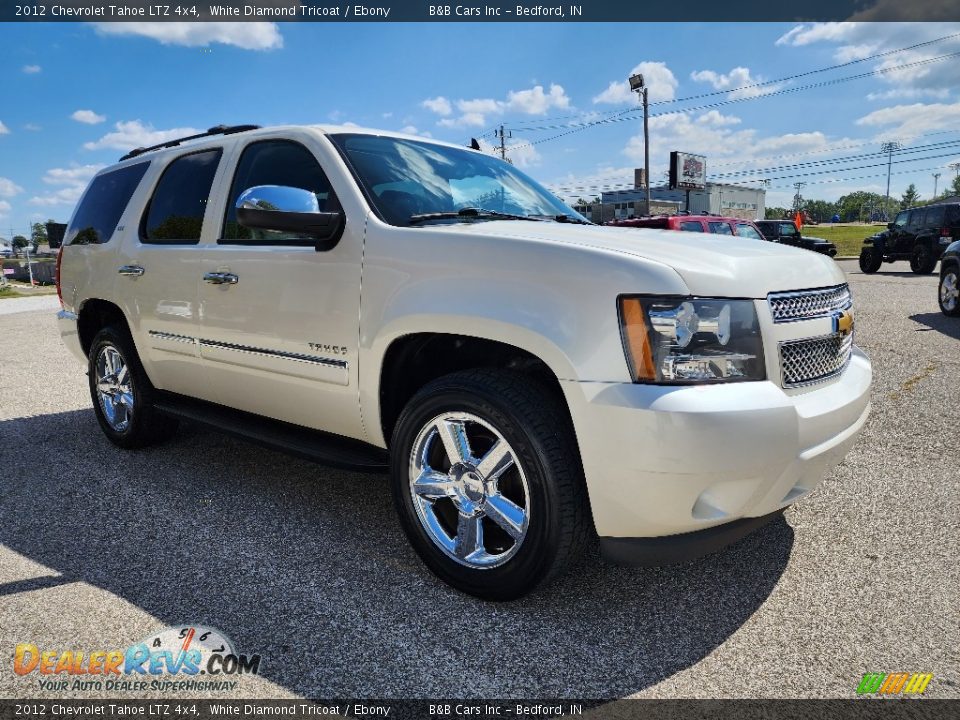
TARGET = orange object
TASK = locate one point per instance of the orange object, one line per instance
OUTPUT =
(798, 220)
(638, 341)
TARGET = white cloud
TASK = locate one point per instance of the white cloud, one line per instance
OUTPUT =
(657, 76)
(858, 40)
(718, 119)
(32, 127)
(412, 130)
(246, 35)
(87, 116)
(133, 134)
(521, 154)
(72, 180)
(31, 69)
(905, 122)
(440, 105)
(4, 130)
(908, 93)
(739, 81)
(8, 188)
(5, 208)
(474, 112)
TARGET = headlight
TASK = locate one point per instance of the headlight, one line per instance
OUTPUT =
(676, 340)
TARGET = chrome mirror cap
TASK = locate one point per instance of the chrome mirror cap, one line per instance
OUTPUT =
(278, 198)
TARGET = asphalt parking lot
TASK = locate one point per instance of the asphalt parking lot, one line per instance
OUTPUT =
(308, 567)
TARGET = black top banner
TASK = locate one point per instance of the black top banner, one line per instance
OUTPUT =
(485, 11)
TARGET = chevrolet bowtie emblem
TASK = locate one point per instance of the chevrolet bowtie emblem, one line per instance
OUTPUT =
(843, 322)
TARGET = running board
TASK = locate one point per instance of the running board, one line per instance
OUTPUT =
(321, 447)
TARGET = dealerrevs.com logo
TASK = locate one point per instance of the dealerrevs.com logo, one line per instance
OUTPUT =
(173, 659)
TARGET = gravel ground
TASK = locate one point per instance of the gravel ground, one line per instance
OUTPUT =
(308, 567)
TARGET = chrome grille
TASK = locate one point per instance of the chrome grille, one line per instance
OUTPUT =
(812, 360)
(808, 304)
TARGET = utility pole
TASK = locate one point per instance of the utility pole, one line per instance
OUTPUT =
(503, 147)
(955, 167)
(889, 148)
(638, 86)
(797, 199)
(936, 178)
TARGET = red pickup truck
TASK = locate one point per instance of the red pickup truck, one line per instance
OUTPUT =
(695, 223)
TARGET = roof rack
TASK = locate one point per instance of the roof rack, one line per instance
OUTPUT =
(215, 130)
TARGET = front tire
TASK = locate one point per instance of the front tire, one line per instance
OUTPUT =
(948, 292)
(122, 394)
(870, 260)
(488, 483)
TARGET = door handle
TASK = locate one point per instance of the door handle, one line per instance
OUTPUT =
(131, 270)
(220, 278)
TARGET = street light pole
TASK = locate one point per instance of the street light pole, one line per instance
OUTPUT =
(638, 86)
(936, 178)
(890, 148)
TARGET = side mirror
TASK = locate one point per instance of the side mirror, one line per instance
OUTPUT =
(891, 226)
(289, 209)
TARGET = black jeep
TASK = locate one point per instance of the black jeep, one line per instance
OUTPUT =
(786, 232)
(919, 235)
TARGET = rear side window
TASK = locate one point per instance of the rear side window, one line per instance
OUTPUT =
(935, 215)
(720, 228)
(953, 215)
(691, 226)
(175, 213)
(747, 231)
(275, 162)
(103, 204)
(788, 229)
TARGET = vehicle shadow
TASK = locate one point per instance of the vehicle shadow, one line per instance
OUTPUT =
(308, 567)
(949, 326)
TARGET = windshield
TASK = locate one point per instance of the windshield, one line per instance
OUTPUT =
(405, 179)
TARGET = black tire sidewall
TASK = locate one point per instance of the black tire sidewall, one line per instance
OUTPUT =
(535, 557)
(134, 435)
(870, 260)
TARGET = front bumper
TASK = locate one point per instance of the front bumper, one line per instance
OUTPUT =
(67, 324)
(661, 461)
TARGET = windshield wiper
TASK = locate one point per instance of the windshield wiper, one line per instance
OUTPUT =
(467, 212)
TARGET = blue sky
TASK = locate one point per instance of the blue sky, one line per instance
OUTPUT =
(77, 96)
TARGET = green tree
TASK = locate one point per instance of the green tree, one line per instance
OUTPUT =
(820, 210)
(910, 197)
(860, 205)
(955, 186)
(38, 235)
(775, 213)
(19, 242)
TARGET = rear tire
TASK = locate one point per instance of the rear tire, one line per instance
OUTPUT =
(870, 260)
(122, 394)
(923, 261)
(492, 528)
(948, 292)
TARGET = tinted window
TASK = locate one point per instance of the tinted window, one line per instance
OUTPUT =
(747, 231)
(720, 228)
(953, 214)
(691, 226)
(934, 216)
(175, 213)
(103, 204)
(788, 229)
(275, 162)
(915, 218)
(901, 219)
(769, 230)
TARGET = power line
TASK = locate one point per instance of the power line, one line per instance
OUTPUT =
(759, 84)
(622, 116)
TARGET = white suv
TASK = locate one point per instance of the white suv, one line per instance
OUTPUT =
(532, 381)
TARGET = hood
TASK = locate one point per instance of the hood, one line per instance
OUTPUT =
(718, 265)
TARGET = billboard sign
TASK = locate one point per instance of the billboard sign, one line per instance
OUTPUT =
(687, 171)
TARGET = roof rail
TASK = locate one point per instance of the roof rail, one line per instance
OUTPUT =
(215, 130)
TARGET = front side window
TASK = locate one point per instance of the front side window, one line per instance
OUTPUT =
(179, 202)
(788, 230)
(901, 220)
(103, 204)
(720, 228)
(747, 231)
(275, 162)
(406, 178)
(690, 226)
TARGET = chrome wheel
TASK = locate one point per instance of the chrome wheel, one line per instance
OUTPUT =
(469, 491)
(114, 389)
(949, 291)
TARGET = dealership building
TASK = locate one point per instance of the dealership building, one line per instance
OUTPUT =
(737, 201)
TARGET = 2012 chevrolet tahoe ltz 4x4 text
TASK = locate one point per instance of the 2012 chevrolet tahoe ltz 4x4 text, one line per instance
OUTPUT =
(532, 381)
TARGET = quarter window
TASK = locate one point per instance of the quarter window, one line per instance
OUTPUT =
(275, 162)
(747, 231)
(103, 204)
(720, 228)
(175, 214)
(691, 226)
